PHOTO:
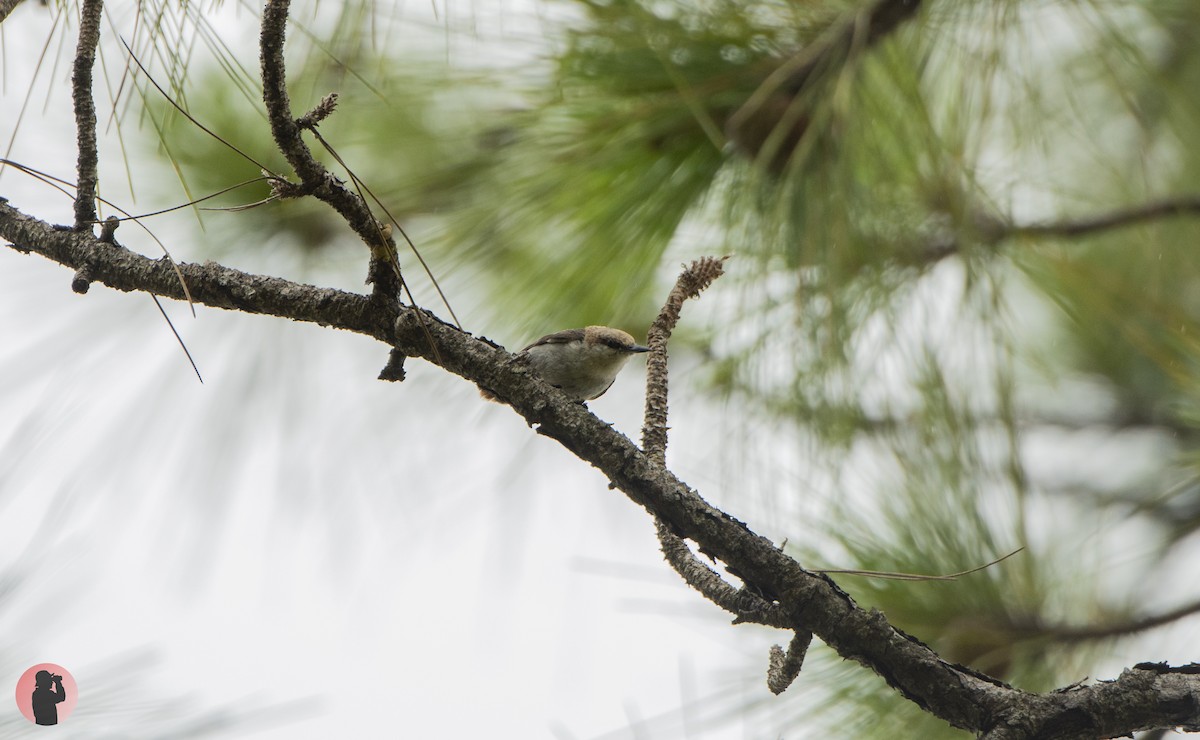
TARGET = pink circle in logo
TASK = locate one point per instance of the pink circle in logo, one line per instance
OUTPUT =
(46, 694)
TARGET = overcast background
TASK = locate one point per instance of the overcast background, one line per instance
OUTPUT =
(294, 549)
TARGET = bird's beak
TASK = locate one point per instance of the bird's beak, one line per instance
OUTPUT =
(639, 348)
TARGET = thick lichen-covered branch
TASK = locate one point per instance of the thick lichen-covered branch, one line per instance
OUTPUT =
(694, 279)
(748, 605)
(210, 284)
(785, 665)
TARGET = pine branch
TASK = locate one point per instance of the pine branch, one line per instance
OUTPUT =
(746, 605)
(315, 179)
(1184, 205)
(85, 113)
(1082, 633)
(774, 118)
(6, 7)
(210, 284)
(992, 230)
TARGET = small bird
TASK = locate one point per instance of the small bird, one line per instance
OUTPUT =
(582, 362)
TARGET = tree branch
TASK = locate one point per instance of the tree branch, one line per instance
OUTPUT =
(1067, 634)
(210, 284)
(694, 279)
(85, 113)
(774, 116)
(786, 664)
(745, 605)
(6, 7)
(1185, 205)
(1146, 696)
(992, 230)
(315, 179)
(284, 128)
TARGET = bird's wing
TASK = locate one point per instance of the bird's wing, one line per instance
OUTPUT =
(558, 337)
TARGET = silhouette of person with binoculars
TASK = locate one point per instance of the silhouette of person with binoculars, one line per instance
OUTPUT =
(48, 692)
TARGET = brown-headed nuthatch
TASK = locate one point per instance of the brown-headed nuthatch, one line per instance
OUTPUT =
(583, 363)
